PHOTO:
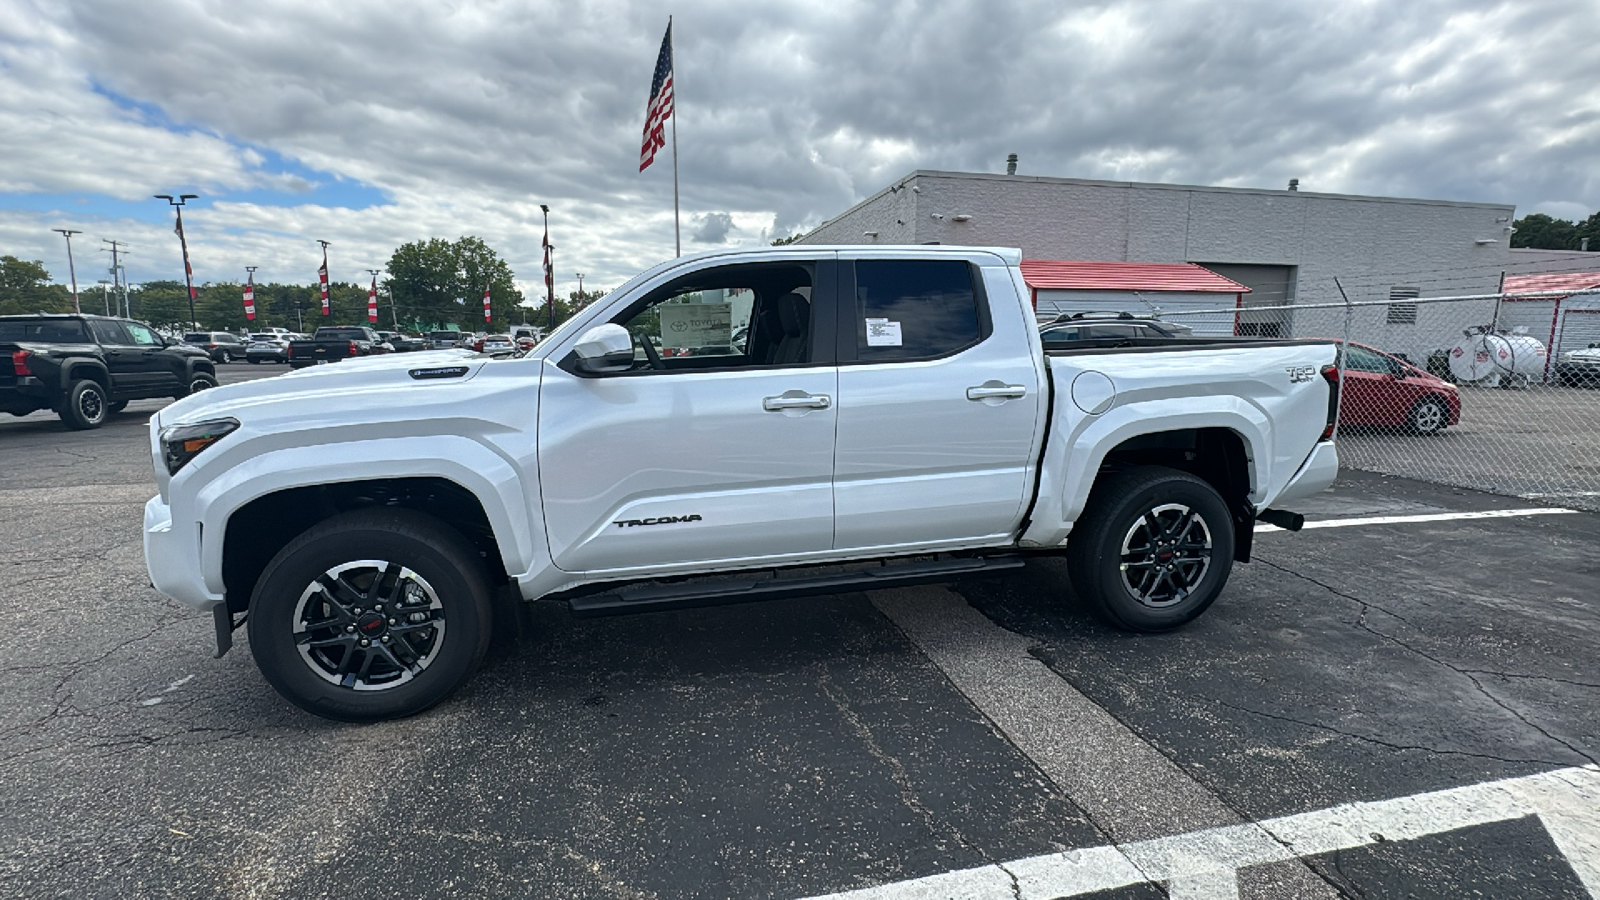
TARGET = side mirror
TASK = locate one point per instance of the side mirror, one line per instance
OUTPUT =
(605, 348)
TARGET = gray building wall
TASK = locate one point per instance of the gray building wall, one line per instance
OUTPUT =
(1371, 244)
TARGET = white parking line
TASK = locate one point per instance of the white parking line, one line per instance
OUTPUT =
(1128, 789)
(1428, 517)
(1204, 864)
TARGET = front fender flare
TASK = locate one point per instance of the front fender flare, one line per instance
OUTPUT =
(491, 478)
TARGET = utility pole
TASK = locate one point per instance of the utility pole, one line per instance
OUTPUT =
(68, 233)
(105, 294)
(549, 268)
(188, 271)
(118, 275)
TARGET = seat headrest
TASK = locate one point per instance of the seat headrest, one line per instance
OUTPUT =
(794, 314)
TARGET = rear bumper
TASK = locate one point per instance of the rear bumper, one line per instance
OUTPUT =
(172, 557)
(1316, 473)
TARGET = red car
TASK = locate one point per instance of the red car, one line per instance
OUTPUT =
(1380, 389)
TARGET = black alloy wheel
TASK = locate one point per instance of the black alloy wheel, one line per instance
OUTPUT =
(1153, 548)
(85, 405)
(372, 614)
(199, 381)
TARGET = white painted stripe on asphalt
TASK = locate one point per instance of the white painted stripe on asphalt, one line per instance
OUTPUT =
(1127, 788)
(1428, 517)
(1203, 865)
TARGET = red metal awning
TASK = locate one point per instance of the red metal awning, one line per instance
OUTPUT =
(1043, 274)
(1548, 281)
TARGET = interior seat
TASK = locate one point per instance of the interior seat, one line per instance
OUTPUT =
(794, 318)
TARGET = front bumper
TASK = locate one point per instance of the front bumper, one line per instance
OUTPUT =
(172, 557)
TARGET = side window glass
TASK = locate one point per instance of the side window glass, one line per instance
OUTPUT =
(756, 315)
(143, 336)
(108, 332)
(1366, 361)
(914, 309)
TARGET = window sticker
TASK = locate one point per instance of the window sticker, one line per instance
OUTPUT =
(883, 333)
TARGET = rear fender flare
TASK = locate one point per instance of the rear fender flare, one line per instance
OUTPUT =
(1071, 465)
(76, 369)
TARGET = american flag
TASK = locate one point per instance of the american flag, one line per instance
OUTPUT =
(660, 106)
(322, 276)
(250, 298)
(486, 301)
(372, 301)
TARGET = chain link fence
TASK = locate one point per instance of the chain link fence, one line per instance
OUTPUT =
(1494, 392)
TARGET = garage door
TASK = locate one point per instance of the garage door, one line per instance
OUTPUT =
(1269, 286)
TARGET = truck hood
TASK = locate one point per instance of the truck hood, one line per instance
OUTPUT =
(328, 387)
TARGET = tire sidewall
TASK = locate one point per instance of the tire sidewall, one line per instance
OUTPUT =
(72, 412)
(1416, 415)
(205, 382)
(1097, 567)
(463, 595)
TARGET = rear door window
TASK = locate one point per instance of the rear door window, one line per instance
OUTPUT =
(108, 332)
(915, 309)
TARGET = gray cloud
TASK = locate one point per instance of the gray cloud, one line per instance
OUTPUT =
(467, 116)
(713, 228)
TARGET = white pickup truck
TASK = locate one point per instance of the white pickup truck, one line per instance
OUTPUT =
(738, 425)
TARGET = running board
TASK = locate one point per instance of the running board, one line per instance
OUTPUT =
(747, 588)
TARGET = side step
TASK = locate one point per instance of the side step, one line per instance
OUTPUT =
(749, 587)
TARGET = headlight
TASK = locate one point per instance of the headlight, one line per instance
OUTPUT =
(181, 443)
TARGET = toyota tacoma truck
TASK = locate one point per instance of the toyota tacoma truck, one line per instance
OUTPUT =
(862, 417)
(87, 367)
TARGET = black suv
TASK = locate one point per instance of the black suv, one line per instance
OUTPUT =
(220, 345)
(88, 367)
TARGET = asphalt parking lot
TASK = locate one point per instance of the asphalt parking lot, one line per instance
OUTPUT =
(1397, 702)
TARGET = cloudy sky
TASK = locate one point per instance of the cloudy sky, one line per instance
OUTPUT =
(369, 123)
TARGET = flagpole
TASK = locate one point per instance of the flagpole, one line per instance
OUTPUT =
(677, 234)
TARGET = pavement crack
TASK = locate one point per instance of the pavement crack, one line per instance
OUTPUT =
(1016, 886)
(1379, 742)
(1361, 622)
(897, 772)
(1515, 676)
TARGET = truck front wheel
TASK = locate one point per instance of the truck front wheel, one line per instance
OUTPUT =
(1153, 548)
(372, 614)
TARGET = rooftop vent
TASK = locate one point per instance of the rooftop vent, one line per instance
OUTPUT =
(1294, 184)
(1011, 164)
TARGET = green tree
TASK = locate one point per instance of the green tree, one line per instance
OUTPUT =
(25, 288)
(428, 278)
(788, 240)
(1542, 232)
(164, 304)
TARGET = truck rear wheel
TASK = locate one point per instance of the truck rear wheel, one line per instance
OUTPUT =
(85, 405)
(1153, 548)
(373, 614)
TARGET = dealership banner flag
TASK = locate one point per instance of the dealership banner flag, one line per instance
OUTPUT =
(322, 276)
(250, 298)
(372, 301)
(188, 270)
(549, 273)
(486, 302)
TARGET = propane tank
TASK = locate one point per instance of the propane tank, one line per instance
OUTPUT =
(1489, 358)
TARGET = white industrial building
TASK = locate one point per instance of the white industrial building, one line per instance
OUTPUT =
(1286, 246)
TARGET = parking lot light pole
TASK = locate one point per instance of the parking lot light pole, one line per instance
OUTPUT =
(68, 233)
(580, 287)
(188, 272)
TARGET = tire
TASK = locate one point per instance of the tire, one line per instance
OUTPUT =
(1429, 416)
(199, 381)
(1115, 529)
(85, 405)
(117, 406)
(409, 663)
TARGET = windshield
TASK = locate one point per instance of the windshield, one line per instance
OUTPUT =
(263, 337)
(341, 334)
(46, 331)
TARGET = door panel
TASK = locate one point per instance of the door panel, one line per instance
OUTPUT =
(124, 361)
(619, 455)
(935, 450)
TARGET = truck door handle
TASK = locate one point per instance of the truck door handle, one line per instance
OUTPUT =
(996, 389)
(796, 400)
